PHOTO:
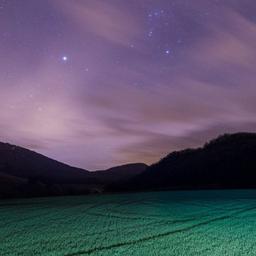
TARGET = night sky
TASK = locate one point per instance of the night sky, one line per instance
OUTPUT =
(96, 83)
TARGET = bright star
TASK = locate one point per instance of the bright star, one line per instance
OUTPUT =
(167, 51)
(65, 58)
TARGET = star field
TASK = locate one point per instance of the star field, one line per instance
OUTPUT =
(99, 83)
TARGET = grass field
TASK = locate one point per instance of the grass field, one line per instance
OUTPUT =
(160, 223)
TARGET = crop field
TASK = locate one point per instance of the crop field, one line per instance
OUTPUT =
(159, 224)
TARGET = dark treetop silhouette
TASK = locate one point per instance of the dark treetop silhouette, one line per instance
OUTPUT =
(226, 162)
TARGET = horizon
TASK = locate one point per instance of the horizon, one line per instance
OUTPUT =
(131, 163)
(96, 84)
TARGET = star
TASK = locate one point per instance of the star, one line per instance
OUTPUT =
(167, 52)
(65, 58)
(150, 33)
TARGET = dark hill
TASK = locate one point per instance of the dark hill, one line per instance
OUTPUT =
(25, 173)
(226, 162)
(119, 173)
(24, 163)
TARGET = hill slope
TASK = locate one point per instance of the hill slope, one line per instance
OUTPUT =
(24, 163)
(25, 173)
(119, 173)
(226, 162)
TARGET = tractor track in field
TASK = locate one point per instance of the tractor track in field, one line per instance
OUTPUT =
(152, 237)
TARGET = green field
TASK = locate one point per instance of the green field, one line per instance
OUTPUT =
(160, 223)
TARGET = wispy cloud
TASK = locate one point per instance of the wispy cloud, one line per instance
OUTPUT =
(106, 19)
